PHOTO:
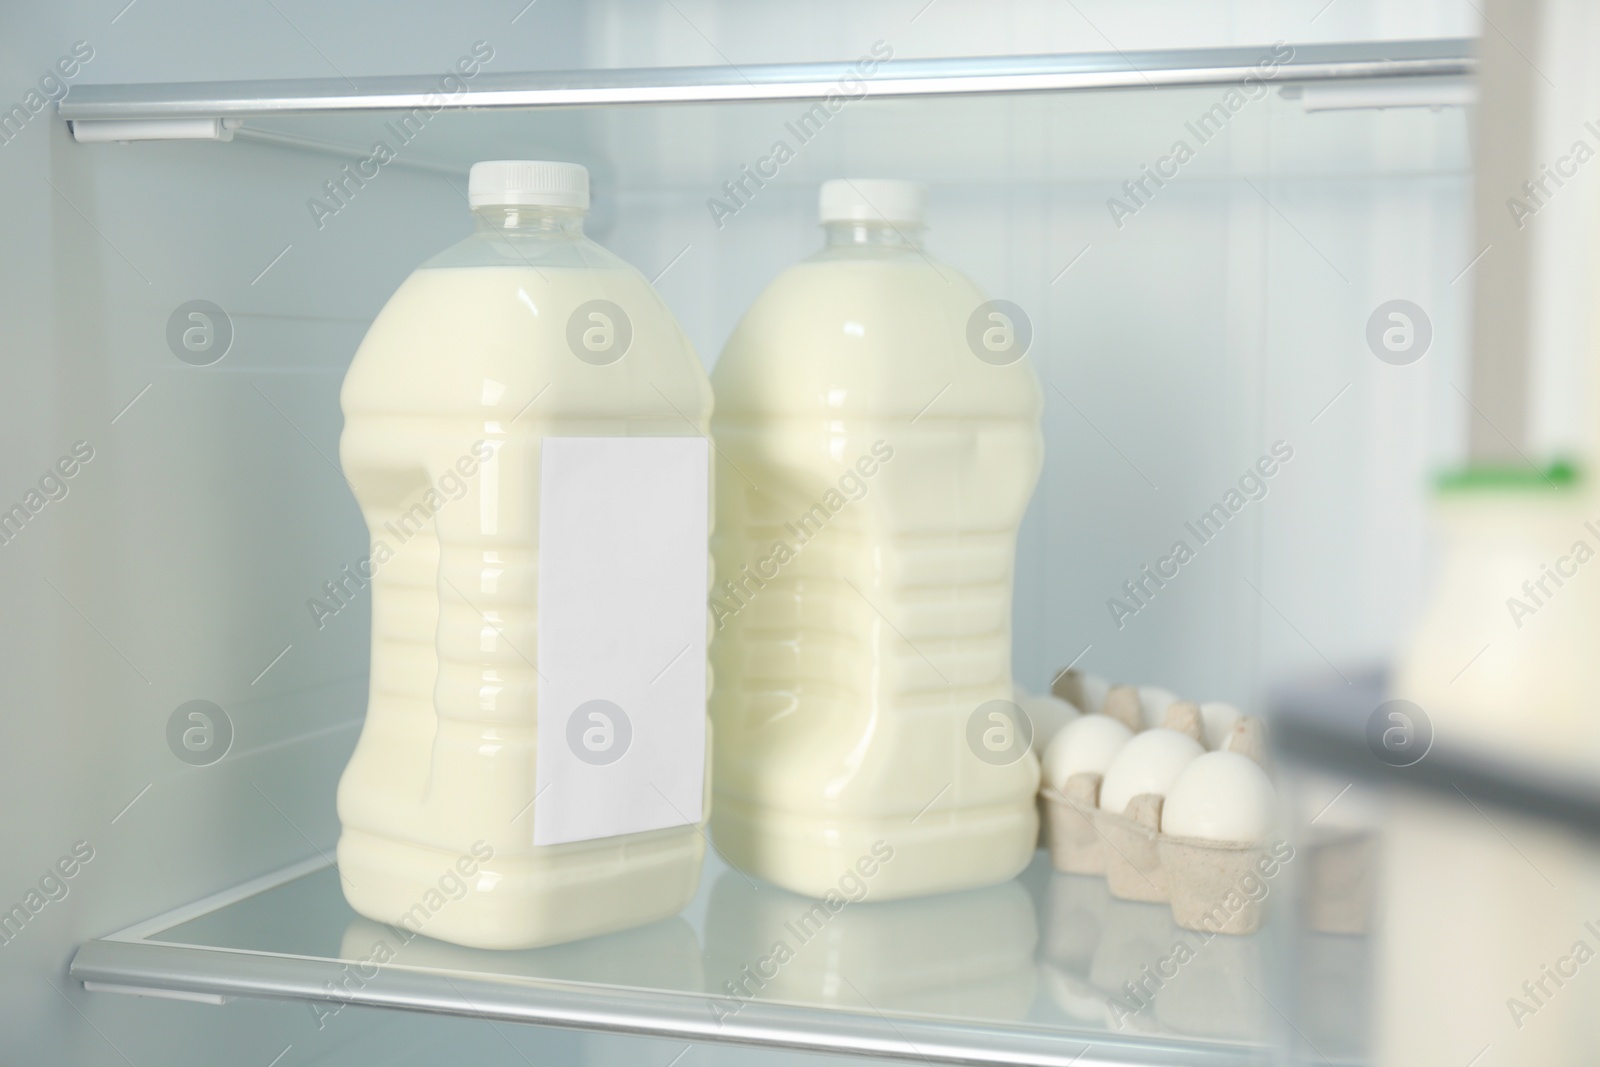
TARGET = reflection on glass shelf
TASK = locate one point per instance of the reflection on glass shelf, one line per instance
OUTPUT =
(961, 955)
(1126, 965)
(307, 916)
(663, 955)
(1045, 969)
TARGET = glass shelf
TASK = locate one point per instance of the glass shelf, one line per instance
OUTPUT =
(1020, 973)
(226, 104)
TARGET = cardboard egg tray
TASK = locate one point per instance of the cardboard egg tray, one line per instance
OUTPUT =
(1203, 881)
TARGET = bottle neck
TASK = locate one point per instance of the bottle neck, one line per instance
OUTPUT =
(526, 220)
(877, 234)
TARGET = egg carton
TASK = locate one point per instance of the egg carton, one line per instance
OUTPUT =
(1200, 879)
(1070, 835)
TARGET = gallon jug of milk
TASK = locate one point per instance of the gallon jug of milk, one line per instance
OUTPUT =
(526, 436)
(878, 441)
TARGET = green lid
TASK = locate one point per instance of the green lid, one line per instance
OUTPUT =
(1561, 474)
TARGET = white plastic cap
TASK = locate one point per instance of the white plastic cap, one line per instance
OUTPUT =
(874, 200)
(519, 182)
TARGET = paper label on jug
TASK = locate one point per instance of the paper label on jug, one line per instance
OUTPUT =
(622, 635)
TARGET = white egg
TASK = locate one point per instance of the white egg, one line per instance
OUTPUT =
(1149, 763)
(1154, 702)
(1087, 744)
(1218, 719)
(1222, 796)
(1048, 715)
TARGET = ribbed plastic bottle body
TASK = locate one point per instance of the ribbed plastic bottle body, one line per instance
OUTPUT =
(464, 373)
(874, 473)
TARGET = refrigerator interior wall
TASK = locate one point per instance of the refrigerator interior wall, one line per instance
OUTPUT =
(1228, 313)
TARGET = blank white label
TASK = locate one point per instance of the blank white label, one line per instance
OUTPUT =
(622, 635)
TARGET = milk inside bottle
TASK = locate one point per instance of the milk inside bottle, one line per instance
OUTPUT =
(525, 425)
(878, 441)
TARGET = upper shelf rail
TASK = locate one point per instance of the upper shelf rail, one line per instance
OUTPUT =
(1280, 63)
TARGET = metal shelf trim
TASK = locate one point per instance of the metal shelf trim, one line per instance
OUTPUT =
(194, 972)
(1356, 61)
